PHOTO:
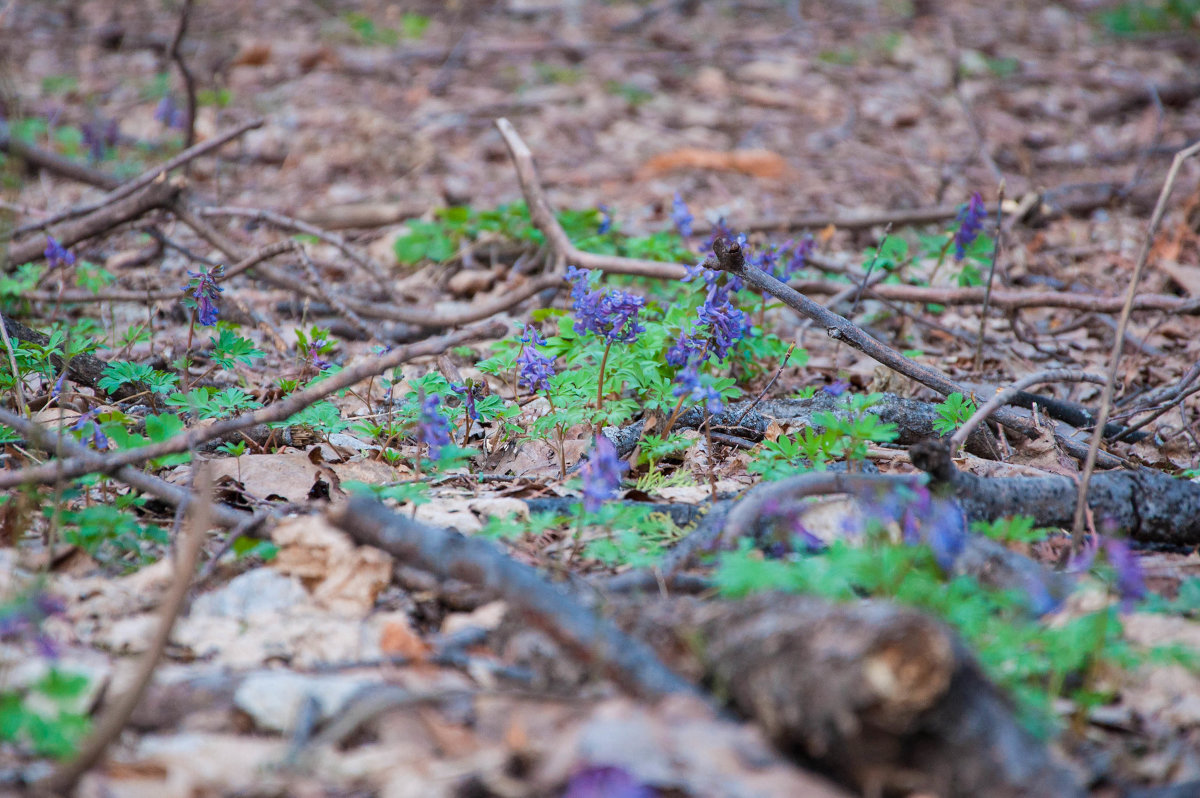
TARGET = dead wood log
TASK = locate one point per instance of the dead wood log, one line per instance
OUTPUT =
(156, 195)
(449, 555)
(84, 369)
(883, 697)
(1148, 505)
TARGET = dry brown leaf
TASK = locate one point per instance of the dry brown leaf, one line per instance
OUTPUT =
(399, 638)
(342, 577)
(755, 163)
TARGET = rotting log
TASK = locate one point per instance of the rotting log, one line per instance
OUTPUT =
(882, 697)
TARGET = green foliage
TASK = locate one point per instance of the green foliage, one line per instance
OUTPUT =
(1015, 529)
(120, 373)
(1152, 16)
(412, 26)
(112, 534)
(1035, 662)
(43, 717)
(952, 413)
(229, 348)
(208, 402)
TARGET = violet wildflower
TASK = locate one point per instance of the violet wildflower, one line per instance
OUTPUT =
(601, 474)
(606, 781)
(1130, 583)
(204, 288)
(681, 216)
(836, 388)
(169, 114)
(96, 438)
(683, 350)
(433, 429)
(606, 221)
(698, 390)
(611, 314)
(469, 393)
(799, 258)
(58, 385)
(725, 324)
(534, 368)
(56, 254)
(970, 222)
(99, 136)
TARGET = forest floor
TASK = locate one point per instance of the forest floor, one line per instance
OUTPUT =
(368, 209)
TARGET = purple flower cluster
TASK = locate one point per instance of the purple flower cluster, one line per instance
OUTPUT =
(836, 388)
(611, 314)
(601, 474)
(56, 254)
(970, 222)
(95, 438)
(681, 216)
(204, 288)
(534, 368)
(606, 220)
(26, 615)
(721, 324)
(169, 114)
(923, 518)
(606, 781)
(433, 429)
(99, 136)
(693, 385)
(469, 392)
(1131, 583)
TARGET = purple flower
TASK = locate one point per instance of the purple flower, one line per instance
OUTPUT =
(694, 387)
(1130, 583)
(836, 388)
(605, 220)
(56, 254)
(204, 288)
(606, 781)
(610, 314)
(970, 222)
(724, 323)
(683, 350)
(601, 474)
(95, 437)
(681, 216)
(99, 136)
(169, 114)
(26, 614)
(433, 429)
(799, 258)
(58, 385)
(534, 368)
(468, 392)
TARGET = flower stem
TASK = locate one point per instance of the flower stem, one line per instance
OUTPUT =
(600, 382)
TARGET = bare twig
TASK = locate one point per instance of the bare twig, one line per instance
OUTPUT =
(293, 403)
(544, 219)
(729, 257)
(1089, 464)
(449, 555)
(102, 220)
(12, 363)
(110, 724)
(189, 83)
(142, 180)
(1003, 397)
(987, 294)
(290, 223)
(173, 495)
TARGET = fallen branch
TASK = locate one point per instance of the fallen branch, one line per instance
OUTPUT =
(729, 257)
(1148, 505)
(143, 180)
(156, 195)
(110, 724)
(53, 162)
(293, 403)
(449, 555)
(884, 698)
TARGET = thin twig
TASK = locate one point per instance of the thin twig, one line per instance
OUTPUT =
(278, 411)
(110, 724)
(987, 294)
(1003, 397)
(763, 392)
(1089, 464)
(12, 363)
(142, 180)
(189, 83)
